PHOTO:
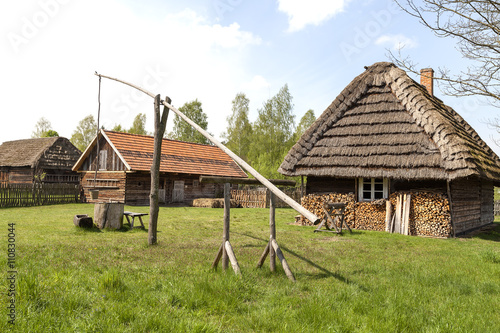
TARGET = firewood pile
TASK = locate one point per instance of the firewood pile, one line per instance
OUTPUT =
(429, 212)
(370, 216)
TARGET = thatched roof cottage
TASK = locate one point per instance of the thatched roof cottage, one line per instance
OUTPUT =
(47, 159)
(386, 133)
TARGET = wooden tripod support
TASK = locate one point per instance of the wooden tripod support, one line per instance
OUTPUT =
(335, 209)
(272, 247)
(226, 250)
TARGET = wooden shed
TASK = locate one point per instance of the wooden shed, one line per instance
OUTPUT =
(48, 160)
(124, 173)
(387, 134)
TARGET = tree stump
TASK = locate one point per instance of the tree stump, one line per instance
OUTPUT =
(109, 215)
(83, 221)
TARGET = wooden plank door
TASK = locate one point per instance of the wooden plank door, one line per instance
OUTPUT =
(178, 192)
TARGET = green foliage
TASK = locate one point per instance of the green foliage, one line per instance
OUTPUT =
(76, 280)
(118, 128)
(84, 133)
(305, 122)
(239, 130)
(50, 134)
(273, 134)
(139, 125)
(43, 129)
(183, 131)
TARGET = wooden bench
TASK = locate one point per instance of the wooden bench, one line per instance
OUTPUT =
(133, 216)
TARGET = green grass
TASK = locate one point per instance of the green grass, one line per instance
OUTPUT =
(72, 280)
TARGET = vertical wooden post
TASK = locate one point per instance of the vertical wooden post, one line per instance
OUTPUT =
(160, 124)
(453, 229)
(272, 228)
(225, 232)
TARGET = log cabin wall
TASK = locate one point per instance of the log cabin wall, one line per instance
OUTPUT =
(111, 185)
(330, 185)
(487, 202)
(138, 187)
(398, 185)
(466, 204)
(19, 175)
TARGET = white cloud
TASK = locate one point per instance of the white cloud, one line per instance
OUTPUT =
(302, 13)
(397, 42)
(181, 55)
(257, 83)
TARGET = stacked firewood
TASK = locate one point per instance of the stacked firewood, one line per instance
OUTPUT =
(370, 215)
(429, 214)
(314, 203)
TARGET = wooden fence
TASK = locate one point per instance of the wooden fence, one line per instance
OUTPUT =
(259, 198)
(22, 195)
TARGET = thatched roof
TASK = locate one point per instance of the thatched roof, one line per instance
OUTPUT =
(24, 153)
(384, 124)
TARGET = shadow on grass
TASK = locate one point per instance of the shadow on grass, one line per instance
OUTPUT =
(325, 272)
(490, 234)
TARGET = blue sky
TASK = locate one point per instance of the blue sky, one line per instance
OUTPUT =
(205, 49)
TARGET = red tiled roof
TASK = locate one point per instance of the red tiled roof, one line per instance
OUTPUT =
(176, 156)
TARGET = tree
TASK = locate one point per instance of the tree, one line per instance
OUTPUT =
(476, 27)
(273, 133)
(84, 133)
(139, 125)
(305, 122)
(118, 128)
(183, 131)
(43, 129)
(239, 130)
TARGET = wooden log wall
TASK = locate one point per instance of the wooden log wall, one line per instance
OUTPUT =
(467, 201)
(20, 175)
(487, 202)
(22, 195)
(327, 185)
(138, 186)
(111, 185)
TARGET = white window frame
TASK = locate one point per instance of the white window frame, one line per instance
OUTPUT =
(362, 181)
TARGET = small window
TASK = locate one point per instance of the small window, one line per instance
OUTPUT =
(103, 159)
(196, 183)
(372, 189)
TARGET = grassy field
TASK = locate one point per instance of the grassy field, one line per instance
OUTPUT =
(72, 280)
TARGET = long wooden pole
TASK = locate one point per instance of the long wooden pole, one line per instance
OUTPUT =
(160, 124)
(285, 198)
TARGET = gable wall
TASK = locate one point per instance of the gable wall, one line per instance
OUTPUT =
(113, 162)
(62, 155)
